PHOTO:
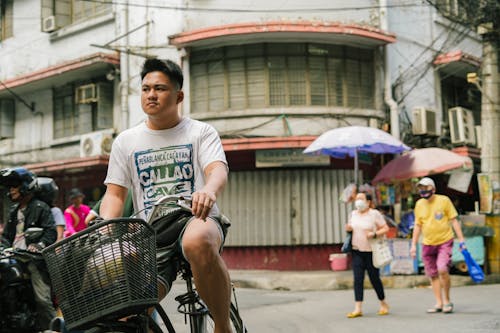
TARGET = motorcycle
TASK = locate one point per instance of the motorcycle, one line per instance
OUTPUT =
(17, 301)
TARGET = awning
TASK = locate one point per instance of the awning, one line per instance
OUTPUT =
(457, 63)
(73, 165)
(242, 144)
(83, 68)
(283, 31)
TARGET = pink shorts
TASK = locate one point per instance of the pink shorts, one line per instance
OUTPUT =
(437, 258)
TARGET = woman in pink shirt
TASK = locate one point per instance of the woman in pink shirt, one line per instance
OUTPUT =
(365, 223)
(76, 213)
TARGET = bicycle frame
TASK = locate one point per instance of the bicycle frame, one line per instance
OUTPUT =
(190, 304)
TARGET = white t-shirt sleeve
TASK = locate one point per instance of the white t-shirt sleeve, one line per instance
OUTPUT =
(211, 149)
(118, 172)
(58, 216)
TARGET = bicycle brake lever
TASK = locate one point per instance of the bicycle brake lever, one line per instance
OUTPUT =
(184, 206)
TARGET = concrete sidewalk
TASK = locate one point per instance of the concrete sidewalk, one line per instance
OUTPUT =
(330, 280)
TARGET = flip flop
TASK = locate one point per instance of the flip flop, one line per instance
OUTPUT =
(354, 314)
(434, 310)
(448, 308)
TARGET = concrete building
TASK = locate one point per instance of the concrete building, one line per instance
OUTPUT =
(269, 76)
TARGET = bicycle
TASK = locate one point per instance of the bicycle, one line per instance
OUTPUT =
(105, 277)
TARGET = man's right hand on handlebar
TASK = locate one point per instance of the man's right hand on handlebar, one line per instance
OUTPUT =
(201, 203)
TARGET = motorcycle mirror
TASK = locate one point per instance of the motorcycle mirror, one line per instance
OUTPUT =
(33, 233)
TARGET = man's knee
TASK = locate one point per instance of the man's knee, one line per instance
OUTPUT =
(201, 239)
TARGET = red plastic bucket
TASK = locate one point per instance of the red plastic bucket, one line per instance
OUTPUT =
(338, 261)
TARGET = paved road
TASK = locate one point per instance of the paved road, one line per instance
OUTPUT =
(477, 310)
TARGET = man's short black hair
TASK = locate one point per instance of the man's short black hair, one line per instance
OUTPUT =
(167, 67)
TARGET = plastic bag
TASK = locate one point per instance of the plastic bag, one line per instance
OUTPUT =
(349, 193)
(475, 271)
(347, 246)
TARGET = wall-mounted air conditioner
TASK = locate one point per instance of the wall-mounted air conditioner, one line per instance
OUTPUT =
(424, 121)
(462, 128)
(96, 143)
(49, 24)
(87, 93)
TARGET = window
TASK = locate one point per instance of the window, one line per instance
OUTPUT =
(7, 116)
(59, 13)
(452, 9)
(74, 115)
(82, 10)
(6, 8)
(281, 74)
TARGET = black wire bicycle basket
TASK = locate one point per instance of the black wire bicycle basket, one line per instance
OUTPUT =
(105, 272)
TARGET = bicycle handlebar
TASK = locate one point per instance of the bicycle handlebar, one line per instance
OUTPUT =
(183, 202)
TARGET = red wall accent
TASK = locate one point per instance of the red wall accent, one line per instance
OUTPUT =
(297, 258)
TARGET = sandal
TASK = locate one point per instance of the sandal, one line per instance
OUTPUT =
(383, 312)
(448, 308)
(354, 314)
(435, 310)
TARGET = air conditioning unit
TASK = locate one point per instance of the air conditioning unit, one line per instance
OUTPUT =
(49, 24)
(424, 121)
(96, 143)
(87, 93)
(462, 128)
(479, 136)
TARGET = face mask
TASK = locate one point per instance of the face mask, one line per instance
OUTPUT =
(360, 204)
(426, 194)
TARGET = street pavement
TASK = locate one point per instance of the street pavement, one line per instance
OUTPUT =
(477, 308)
(333, 280)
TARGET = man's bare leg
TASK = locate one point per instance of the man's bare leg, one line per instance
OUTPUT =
(436, 289)
(201, 243)
(444, 278)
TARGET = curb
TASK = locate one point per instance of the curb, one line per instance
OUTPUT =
(328, 280)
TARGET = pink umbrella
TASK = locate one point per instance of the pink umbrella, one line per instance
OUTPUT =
(421, 162)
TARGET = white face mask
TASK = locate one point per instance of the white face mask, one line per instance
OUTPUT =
(360, 204)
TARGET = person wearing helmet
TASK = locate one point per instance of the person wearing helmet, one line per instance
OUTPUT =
(47, 192)
(28, 211)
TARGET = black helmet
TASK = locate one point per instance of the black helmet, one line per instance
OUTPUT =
(47, 190)
(14, 177)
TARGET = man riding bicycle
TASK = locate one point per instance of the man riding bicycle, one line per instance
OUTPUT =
(171, 154)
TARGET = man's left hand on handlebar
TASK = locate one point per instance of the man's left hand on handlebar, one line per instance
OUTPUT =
(36, 248)
(201, 203)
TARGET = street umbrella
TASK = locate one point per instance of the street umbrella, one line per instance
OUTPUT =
(421, 162)
(350, 140)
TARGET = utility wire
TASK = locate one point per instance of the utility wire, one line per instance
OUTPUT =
(235, 10)
(19, 98)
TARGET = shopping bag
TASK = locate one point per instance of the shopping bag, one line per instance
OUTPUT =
(381, 252)
(347, 246)
(475, 271)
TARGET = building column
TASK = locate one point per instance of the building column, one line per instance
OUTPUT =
(490, 111)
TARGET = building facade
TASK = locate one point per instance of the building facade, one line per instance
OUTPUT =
(269, 78)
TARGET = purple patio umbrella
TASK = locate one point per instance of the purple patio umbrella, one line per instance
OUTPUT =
(342, 141)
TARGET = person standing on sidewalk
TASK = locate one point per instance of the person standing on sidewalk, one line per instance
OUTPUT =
(435, 219)
(365, 223)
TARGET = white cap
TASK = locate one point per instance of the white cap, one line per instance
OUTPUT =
(426, 181)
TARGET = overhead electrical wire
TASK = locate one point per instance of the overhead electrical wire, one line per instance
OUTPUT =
(239, 10)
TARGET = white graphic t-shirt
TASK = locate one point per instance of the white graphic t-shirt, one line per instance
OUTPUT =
(154, 163)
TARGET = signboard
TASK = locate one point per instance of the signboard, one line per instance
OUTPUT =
(460, 180)
(279, 158)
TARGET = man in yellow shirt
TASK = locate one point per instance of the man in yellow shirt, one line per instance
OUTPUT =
(436, 218)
